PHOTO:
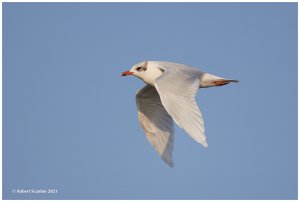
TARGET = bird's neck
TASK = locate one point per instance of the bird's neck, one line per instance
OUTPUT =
(152, 75)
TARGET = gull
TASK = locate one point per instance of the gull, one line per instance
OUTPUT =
(168, 96)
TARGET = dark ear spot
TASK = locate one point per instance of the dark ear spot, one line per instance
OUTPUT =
(162, 70)
(139, 68)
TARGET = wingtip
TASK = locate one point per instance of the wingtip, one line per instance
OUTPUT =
(170, 163)
(205, 144)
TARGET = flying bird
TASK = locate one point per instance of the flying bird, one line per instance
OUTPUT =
(168, 96)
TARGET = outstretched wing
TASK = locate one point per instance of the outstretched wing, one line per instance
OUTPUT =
(156, 122)
(177, 90)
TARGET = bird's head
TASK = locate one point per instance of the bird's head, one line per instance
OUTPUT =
(137, 70)
(148, 71)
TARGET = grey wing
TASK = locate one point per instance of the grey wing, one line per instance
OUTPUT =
(177, 90)
(156, 122)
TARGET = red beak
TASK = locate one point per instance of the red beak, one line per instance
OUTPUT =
(127, 73)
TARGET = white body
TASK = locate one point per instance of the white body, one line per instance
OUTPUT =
(170, 95)
(155, 69)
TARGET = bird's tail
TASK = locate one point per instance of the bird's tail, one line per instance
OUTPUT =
(209, 80)
(223, 82)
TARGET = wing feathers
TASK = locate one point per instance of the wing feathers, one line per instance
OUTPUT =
(156, 122)
(178, 98)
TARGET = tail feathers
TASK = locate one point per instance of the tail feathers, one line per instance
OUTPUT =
(209, 80)
(222, 82)
(233, 80)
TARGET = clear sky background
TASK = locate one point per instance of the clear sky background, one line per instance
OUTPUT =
(70, 120)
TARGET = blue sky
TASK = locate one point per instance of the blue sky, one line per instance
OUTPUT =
(70, 119)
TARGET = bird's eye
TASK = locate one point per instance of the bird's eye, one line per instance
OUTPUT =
(139, 69)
